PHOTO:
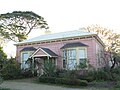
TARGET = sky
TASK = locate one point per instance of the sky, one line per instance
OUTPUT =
(66, 15)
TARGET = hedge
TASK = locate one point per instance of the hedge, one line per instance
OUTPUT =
(63, 81)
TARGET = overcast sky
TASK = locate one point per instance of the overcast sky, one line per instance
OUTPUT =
(64, 15)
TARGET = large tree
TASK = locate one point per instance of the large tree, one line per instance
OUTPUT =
(3, 58)
(111, 40)
(17, 25)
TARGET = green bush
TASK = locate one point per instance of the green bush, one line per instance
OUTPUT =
(26, 73)
(116, 73)
(63, 81)
(86, 77)
(50, 69)
(5, 89)
(117, 85)
(100, 75)
(11, 69)
(116, 70)
(47, 79)
(1, 80)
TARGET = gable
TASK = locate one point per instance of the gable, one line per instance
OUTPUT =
(41, 52)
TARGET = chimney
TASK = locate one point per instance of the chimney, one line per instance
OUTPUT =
(83, 29)
(47, 32)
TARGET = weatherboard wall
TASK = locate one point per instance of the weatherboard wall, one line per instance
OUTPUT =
(55, 46)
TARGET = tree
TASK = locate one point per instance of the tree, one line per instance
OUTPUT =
(17, 25)
(3, 58)
(111, 41)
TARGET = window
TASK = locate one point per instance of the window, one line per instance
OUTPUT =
(64, 58)
(73, 57)
(71, 54)
(82, 58)
(25, 57)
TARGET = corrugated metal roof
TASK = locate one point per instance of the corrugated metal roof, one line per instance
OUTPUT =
(51, 53)
(29, 49)
(60, 35)
(46, 50)
(74, 44)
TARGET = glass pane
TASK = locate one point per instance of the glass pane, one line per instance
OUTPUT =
(72, 54)
(71, 59)
(72, 64)
(25, 57)
(82, 53)
(64, 63)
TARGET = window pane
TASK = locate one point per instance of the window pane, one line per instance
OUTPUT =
(82, 58)
(72, 54)
(25, 57)
(82, 53)
(64, 63)
(71, 59)
(71, 64)
(64, 58)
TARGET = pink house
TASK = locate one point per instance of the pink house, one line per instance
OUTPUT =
(64, 49)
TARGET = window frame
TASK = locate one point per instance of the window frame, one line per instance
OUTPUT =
(23, 61)
(77, 55)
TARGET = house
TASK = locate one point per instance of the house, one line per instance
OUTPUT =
(64, 49)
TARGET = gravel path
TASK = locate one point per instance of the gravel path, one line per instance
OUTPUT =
(33, 86)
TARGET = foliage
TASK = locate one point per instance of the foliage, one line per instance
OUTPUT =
(117, 84)
(3, 59)
(5, 88)
(64, 81)
(111, 41)
(1, 80)
(11, 69)
(26, 73)
(17, 25)
(103, 74)
(47, 79)
(49, 69)
(82, 65)
(116, 73)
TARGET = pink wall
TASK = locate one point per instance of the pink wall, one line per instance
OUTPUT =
(55, 47)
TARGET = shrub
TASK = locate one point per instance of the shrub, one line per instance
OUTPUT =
(5, 89)
(26, 73)
(100, 74)
(49, 69)
(117, 85)
(11, 69)
(1, 80)
(47, 79)
(63, 81)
